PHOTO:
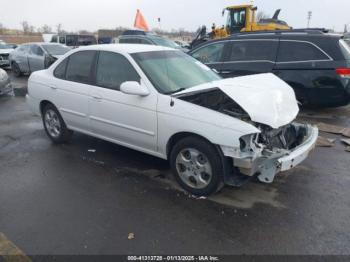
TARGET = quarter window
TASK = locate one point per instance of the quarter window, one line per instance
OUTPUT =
(290, 51)
(113, 70)
(60, 71)
(253, 50)
(210, 54)
(79, 67)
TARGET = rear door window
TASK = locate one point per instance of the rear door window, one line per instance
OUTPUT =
(212, 53)
(253, 50)
(294, 51)
(113, 70)
(79, 68)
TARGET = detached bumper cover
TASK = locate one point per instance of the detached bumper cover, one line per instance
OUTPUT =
(274, 164)
(268, 164)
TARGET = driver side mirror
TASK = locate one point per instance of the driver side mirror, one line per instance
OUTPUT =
(134, 88)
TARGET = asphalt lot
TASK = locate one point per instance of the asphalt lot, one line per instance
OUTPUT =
(69, 200)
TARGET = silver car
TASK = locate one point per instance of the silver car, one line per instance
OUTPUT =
(32, 57)
(5, 84)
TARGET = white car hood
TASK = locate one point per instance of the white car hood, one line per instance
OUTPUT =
(6, 51)
(265, 97)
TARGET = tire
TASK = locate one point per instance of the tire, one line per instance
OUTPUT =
(197, 166)
(16, 69)
(54, 125)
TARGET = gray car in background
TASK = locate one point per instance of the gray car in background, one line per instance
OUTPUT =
(31, 57)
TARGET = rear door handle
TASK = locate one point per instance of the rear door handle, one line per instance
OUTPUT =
(225, 72)
(53, 87)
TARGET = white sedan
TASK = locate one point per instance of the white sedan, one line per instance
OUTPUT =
(164, 103)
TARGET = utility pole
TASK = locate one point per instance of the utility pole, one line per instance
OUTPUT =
(309, 15)
(160, 24)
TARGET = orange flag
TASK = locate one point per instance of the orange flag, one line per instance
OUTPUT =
(140, 21)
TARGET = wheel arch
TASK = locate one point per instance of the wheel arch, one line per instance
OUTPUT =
(44, 103)
(181, 135)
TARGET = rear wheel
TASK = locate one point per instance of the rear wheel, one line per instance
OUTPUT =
(54, 125)
(16, 69)
(197, 166)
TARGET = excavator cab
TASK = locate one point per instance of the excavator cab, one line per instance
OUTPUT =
(239, 18)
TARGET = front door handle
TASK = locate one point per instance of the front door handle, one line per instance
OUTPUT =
(225, 72)
(53, 87)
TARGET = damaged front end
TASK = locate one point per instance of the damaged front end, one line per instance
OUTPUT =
(268, 104)
(273, 150)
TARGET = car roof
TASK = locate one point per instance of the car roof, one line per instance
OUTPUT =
(41, 43)
(126, 48)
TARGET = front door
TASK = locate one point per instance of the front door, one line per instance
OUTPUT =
(129, 120)
(36, 58)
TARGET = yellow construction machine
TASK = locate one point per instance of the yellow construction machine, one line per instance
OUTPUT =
(242, 18)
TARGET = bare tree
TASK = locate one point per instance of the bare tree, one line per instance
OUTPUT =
(45, 29)
(25, 27)
(2, 28)
(261, 15)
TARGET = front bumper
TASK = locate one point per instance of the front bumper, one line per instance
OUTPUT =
(4, 62)
(268, 164)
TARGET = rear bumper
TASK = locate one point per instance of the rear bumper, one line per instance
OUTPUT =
(33, 104)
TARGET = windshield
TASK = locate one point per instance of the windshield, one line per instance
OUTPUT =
(56, 49)
(173, 71)
(165, 42)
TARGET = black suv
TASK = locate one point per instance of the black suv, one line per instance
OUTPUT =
(149, 39)
(315, 63)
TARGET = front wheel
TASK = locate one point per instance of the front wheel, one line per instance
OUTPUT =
(197, 166)
(54, 125)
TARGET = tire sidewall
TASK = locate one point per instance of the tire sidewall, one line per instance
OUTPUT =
(213, 157)
(16, 69)
(64, 131)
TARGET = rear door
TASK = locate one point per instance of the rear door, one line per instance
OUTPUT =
(309, 70)
(72, 88)
(212, 54)
(21, 58)
(247, 57)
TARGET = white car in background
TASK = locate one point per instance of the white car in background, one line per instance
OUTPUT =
(5, 51)
(162, 102)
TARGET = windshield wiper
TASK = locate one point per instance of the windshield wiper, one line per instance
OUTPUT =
(176, 91)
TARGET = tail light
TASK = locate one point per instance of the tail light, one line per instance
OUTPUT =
(343, 72)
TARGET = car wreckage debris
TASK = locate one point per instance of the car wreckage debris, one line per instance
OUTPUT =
(333, 129)
(325, 142)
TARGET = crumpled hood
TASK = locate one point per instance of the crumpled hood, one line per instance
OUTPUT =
(265, 97)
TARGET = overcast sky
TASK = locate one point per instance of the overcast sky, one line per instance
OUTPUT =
(189, 14)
